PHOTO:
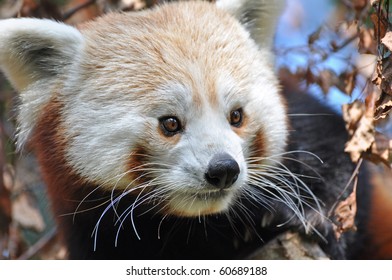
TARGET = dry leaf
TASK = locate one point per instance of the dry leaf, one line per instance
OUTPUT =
(381, 150)
(383, 106)
(326, 79)
(346, 82)
(344, 215)
(386, 80)
(360, 127)
(361, 140)
(387, 40)
(315, 35)
(377, 77)
(10, 8)
(310, 78)
(26, 213)
(352, 113)
(367, 44)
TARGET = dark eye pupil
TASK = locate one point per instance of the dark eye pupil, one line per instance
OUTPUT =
(170, 125)
(236, 117)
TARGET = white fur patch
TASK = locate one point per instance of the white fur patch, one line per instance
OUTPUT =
(20, 40)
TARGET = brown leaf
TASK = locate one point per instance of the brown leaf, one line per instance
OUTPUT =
(383, 106)
(326, 79)
(27, 214)
(361, 140)
(383, 80)
(367, 44)
(386, 79)
(352, 113)
(387, 40)
(10, 8)
(377, 77)
(315, 35)
(289, 79)
(344, 215)
(360, 127)
(381, 150)
(310, 78)
(346, 82)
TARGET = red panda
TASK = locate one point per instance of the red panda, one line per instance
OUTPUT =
(165, 134)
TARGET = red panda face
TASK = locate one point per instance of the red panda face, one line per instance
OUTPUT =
(174, 115)
(170, 106)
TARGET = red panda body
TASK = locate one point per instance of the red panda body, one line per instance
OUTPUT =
(164, 135)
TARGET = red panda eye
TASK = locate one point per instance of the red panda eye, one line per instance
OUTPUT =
(236, 117)
(170, 125)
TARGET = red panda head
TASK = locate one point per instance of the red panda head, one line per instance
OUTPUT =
(176, 105)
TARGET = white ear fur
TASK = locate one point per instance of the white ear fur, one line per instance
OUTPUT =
(34, 50)
(259, 17)
(34, 54)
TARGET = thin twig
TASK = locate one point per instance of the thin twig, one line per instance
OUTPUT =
(353, 176)
(39, 245)
(345, 43)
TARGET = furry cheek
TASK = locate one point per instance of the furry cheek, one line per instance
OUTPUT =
(137, 159)
(258, 145)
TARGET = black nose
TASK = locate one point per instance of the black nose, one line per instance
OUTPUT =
(222, 171)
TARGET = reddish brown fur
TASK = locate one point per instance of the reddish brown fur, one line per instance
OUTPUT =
(64, 187)
(380, 224)
(136, 160)
(258, 146)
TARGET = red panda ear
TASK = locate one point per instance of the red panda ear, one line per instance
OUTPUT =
(35, 50)
(258, 16)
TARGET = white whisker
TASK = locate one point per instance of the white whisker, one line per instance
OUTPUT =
(277, 183)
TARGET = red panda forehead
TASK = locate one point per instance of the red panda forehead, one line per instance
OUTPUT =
(158, 42)
(201, 21)
(191, 43)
